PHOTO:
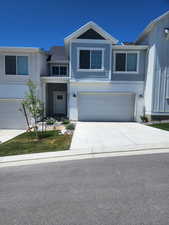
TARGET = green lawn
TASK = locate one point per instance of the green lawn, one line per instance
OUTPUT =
(163, 126)
(27, 143)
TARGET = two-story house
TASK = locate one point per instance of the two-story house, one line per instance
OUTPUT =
(92, 77)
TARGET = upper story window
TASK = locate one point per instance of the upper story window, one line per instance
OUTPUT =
(59, 70)
(16, 65)
(126, 62)
(90, 59)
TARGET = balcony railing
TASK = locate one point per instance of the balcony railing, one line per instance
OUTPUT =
(55, 78)
(52, 75)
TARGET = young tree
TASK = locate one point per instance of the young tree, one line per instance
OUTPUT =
(33, 105)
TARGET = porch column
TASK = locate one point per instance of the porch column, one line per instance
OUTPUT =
(44, 96)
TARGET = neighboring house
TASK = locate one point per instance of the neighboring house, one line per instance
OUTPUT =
(91, 77)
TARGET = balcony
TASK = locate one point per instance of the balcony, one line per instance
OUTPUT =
(56, 73)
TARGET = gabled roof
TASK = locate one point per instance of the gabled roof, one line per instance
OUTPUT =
(95, 27)
(151, 25)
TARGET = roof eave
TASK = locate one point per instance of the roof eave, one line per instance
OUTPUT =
(22, 49)
(87, 26)
(150, 26)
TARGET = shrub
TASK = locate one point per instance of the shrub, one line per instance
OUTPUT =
(144, 119)
(50, 121)
(66, 121)
(70, 126)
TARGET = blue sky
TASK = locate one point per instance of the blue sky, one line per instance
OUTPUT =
(44, 23)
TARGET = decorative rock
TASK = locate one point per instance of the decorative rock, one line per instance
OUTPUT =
(69, 132)
(63, 131)
(60, 127)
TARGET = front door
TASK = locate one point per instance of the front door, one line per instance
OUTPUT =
(59, 102)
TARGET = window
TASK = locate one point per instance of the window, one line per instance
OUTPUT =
(90, 59)
(16, 65)
(63, 70)
(60, 97)
(59, 70)
(55, 70)
(126, 62)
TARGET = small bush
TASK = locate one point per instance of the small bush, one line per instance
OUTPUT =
(66, 121)
(70, 126)
(144, 119)
(50, 121)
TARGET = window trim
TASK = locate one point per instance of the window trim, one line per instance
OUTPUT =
(89, 49)
(126, 52)
(59, 65)
(18, 75)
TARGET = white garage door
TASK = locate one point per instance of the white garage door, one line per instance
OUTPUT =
(10, 116)
(106, 106)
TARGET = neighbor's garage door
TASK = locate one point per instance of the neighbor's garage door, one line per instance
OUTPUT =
(10, 116)
(106, 106)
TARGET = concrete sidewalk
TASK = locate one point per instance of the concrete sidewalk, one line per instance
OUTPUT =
(7, 134)
(47, 157)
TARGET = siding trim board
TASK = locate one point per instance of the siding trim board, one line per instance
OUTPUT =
(11, 99)
(105, 93)
(110, 69)
(130, 47)
(89, 82)
(91, 41)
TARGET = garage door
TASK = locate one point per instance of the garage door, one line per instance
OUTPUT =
(106, 106)
(10, 116)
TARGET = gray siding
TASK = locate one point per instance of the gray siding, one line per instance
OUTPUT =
(103, 75)
(140, 76)
(108, 65)
(160, 92)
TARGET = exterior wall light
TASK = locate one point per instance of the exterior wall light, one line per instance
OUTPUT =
(166, 30)
(166, 33)
(74, 95)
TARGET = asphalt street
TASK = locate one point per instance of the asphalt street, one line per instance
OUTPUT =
(132, 190)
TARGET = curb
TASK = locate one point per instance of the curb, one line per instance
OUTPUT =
(66, 155)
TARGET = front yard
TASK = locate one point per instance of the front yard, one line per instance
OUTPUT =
(163, 126)
(28, 143)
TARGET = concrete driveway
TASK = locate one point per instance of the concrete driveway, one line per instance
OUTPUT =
(7, 134)
(105, 137)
